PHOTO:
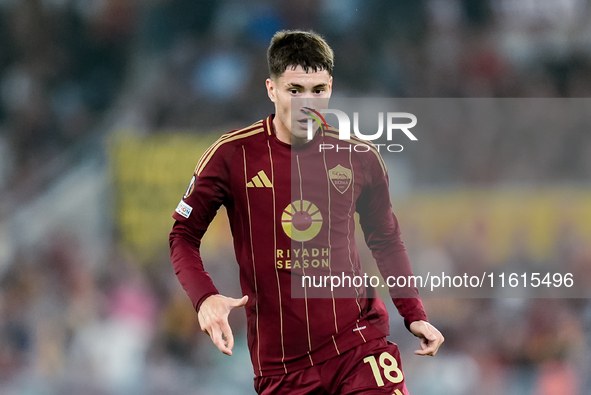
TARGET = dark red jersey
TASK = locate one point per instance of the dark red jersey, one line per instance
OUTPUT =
(291, 211)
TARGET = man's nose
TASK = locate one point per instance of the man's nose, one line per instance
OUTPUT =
(308, 100)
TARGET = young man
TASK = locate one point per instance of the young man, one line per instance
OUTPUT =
(291, 208)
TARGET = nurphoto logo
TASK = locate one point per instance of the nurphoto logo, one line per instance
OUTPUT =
(344, 127)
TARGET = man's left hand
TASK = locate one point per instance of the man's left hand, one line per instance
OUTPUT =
(430, 337)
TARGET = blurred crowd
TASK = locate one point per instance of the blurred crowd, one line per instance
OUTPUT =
(200, 64)
(74, 69)
(504, 344)
(62, 64)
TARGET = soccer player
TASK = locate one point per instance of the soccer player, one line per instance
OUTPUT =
(291, 209)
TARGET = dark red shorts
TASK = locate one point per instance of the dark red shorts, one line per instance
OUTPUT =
(372, 368)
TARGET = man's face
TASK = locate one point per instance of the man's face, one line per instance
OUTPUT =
(312, 88)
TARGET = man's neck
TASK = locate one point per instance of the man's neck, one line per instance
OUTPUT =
(281, 132)
(284, 135)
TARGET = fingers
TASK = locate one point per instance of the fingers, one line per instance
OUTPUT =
(220, 333)
(240, 302)
(217, 337)
(429, 335)
(427, 348)
(228, 338)
(213, 319)
(431, 339)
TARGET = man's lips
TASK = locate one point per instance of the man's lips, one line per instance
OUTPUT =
(304, 121)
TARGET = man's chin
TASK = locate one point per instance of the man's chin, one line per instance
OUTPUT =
(299, 133)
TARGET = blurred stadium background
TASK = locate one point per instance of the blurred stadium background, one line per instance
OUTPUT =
(106, 106)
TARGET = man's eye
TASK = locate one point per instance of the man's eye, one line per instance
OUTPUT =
(318, 91)
(293, 91)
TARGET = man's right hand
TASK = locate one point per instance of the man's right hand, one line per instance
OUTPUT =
(213, 319)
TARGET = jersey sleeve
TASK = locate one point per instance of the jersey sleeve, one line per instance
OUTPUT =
(382, 235)
(206, 193)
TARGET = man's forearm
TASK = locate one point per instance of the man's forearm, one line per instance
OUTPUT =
(188, 266)
(396, 263)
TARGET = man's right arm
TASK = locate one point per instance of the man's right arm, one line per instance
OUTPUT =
(213, 309)
(208, 190)
(188, 265)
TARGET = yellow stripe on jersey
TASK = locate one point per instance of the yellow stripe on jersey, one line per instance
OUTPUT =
(224, 137)
(269, 127)
(355, 140)
(207, 156)
(254, 269)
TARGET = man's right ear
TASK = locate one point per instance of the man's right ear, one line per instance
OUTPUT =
(270, 89)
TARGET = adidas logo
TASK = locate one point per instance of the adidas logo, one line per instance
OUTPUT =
(259, 181)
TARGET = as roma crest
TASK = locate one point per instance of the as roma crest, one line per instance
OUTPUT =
(340, 177)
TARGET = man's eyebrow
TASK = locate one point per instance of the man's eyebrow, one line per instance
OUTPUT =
(292, 85)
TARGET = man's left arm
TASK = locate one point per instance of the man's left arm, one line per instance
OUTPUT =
(382, 235)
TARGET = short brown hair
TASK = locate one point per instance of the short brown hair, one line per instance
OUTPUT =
(293, 48)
